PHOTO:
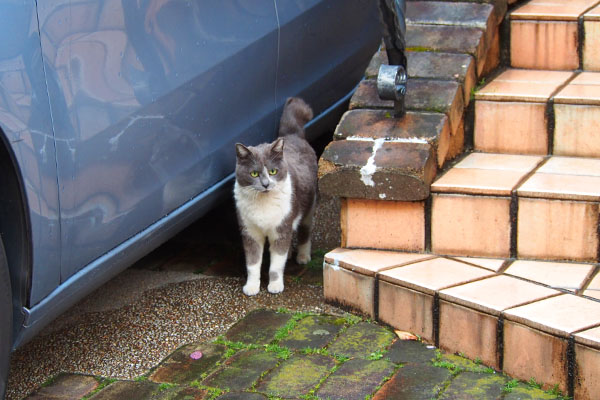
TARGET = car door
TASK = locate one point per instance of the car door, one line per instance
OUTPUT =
(339, 38)
(148, 98)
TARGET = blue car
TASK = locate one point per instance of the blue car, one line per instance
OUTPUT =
(118, 120)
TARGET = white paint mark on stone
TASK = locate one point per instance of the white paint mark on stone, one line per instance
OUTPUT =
(413, 139)
(382, 196)
(367, 171)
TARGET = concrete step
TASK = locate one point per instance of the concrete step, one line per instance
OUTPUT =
(556, 35)
(539, 112)
(531, 319)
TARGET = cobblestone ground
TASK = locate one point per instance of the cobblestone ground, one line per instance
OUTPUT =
(283, 355)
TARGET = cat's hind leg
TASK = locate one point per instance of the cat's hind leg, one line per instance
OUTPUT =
(279, 249)
(304, 230)
(253, 248)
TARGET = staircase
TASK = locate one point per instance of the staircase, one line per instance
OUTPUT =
(473, 222)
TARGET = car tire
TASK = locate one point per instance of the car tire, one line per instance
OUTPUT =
(5, 320)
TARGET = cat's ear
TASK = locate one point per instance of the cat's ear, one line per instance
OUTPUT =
(242, 151)
(277, 148)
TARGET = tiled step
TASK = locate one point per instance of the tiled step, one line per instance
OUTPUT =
(490, 205)
(530, 207)
(556, 35)
(539, 112)
(509, 314)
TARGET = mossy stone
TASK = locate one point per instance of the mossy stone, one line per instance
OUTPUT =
(358, 378)
(258, 327)
(243, 370)
(314, 331)
(296, 376)
(475, 386)
(361, 340)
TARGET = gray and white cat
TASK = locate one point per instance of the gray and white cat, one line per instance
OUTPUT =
(275, 195)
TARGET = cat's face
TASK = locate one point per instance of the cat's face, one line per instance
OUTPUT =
(261, 167)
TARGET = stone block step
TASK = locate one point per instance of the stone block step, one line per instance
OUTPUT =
(541, 331)
(425, 95)
(381, 157)
(455, 27)
(556, 35)
(539, 112)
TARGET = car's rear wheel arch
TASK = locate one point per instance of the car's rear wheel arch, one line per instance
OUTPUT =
(15, 230)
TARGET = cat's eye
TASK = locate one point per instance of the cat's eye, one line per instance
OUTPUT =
(273, 171)
(254, 174)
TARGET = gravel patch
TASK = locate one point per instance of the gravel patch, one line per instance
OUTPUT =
(126, 338)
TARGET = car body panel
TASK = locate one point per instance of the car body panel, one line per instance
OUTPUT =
(144, 93)
(27, 125)
(337, 43)
(123, 114)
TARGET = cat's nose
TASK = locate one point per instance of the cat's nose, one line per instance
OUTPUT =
(264, 182)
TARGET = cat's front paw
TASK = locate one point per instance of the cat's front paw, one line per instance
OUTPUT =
(251, 288)
(275, 286)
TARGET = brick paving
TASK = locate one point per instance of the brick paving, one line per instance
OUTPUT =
(283, 355)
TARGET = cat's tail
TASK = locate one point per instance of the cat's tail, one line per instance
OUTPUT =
(296, 113)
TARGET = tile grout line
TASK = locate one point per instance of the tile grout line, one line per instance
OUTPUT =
(571, 366)
(435, 316)
(376, 298)
(428, 211)
(500, 341)
(588, 279)
(550, 124)
(598, 237)
(580, 38)
(513, 215)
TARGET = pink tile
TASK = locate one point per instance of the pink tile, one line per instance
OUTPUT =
(486, 173)
(478, 181)
(584, 89)
(530, 353)
(406, 309)
(500, 162)
(431, 275)
(587, 359)
(560, 315)
(590, 337)
(490, 295)
(557, 230)
(593, 289)
(587, 365)
(568, 276)
(526, 123)
(569, 178)
(593, 14)
(571, 166)
(554, 10)
(469, 332)
(576, 130)
(460, 225)
(373, 223)
(523, 85)
(369, 262)
(548, 45)
(591, 45)
(493, 264)
(558, 186)
(348, 289)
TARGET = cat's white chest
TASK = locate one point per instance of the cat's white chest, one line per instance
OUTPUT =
(264, 212)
